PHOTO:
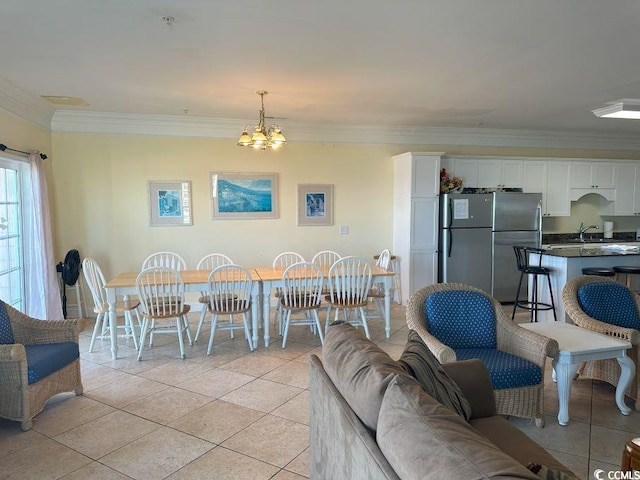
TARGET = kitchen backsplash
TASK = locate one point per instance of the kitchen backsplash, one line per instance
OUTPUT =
(552, 238)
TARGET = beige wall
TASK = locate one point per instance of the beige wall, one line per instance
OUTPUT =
(102, 198)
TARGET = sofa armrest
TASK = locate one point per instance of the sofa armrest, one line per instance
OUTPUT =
(473, 379)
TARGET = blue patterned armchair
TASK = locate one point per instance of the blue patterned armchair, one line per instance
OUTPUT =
(38, 359)
(605, 306)
(459, 322)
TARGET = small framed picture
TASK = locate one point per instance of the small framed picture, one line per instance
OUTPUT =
(315, 204)
(169, 203)
(244, 196)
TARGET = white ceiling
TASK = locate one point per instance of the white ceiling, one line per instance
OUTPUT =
(516, 64)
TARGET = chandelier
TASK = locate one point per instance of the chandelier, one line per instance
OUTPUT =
(261, 139)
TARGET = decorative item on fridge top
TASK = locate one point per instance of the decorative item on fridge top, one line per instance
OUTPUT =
(449, 184)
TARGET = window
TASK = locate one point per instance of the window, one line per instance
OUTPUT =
(11, 246)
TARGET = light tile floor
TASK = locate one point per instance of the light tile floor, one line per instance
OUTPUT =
(237, 414)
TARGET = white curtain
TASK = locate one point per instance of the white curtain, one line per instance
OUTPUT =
(42, 289)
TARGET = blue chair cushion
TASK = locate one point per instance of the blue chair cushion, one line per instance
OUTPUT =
(506, 370)
(461, 319)
(45, 359)
(609, 302)
(6, 332)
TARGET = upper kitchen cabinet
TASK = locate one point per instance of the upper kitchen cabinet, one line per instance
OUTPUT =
(482, 172)
(551, 178)
(627, 185)
(592, 177)
(466, 169)
(495, 173)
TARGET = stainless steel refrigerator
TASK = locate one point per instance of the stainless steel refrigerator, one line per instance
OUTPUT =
(477, 235)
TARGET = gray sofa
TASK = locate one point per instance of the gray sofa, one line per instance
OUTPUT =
(371, 419)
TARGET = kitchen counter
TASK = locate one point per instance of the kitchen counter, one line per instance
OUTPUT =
(588, 250)
(566, 262)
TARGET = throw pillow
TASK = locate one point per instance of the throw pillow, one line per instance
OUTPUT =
(422, 440)
(548, 474)
(6, 332)
(425, 367)
(359, 369)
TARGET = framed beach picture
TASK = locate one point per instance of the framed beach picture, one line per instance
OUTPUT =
(315, 204)
(169, 203)
(244, 195)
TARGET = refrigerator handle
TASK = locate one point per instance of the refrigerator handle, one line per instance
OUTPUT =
(539, 225)
(450, 213)
(450, 243)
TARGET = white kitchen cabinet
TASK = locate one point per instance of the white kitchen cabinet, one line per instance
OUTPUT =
(415, 218)
(499, 173)
(627, 185)
(467, 170)
(592, 175)
(626, 191)
(551, 178)
(558, 203)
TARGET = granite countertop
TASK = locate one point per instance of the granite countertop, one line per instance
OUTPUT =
(589, 251)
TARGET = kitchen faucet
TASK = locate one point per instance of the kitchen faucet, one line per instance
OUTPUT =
(583, 229)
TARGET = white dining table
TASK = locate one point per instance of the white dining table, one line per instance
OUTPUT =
(264, 280)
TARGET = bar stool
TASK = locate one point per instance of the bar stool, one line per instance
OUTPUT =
(534, 306)
(627, 271)
(599, 271)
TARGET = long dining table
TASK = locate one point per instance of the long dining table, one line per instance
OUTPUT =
(264, 280)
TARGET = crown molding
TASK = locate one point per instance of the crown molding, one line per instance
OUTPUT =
(33, 108)
(185, 126)
(25, 105)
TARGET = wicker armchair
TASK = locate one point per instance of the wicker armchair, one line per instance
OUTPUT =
(525, 401)
(19, 399)
(606, 370)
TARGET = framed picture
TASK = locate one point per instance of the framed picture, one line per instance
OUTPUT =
(244, 195)
(315, 204)
(169, 203)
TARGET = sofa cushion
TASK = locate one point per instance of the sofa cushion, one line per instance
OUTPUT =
(6, 332)
(44, 359)
(610, 303)
(461, 319)
(359, 369)
(423, 440)
(506, 370)
(427, 370)
(516, 443)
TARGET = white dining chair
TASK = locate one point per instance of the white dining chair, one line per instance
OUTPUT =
(209, 262)
(165, 259)
(325, 258)
(161, 294)
(96, 281)
(230, 294)
(283, 260)
(349, 284)
(376, 293)
(301, 294)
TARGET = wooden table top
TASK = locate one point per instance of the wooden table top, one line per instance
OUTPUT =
(128, 279)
